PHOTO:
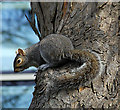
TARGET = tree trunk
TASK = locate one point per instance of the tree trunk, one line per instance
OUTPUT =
(92, 26)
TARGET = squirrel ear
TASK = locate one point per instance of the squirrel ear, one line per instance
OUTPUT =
(21, 52)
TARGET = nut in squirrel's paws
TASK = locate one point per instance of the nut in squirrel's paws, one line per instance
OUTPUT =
(43, 67)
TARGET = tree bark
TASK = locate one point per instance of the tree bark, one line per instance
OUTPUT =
(92, 26)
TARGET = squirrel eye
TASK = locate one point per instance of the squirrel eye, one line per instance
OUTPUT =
(19, 61)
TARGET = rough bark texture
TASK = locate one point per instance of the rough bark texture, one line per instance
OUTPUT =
(92, 26)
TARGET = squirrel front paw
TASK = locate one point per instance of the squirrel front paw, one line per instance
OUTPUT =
(43, 67)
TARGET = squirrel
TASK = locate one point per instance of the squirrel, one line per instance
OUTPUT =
(46, 53)
(56, 49)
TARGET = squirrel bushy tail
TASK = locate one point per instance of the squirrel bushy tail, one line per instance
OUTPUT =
(89, 69)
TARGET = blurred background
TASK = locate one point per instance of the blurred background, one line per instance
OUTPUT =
(15, 32)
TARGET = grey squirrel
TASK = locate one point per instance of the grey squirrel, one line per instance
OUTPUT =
(54, 50)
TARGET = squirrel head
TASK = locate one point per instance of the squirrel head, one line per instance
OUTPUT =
(21, 61)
